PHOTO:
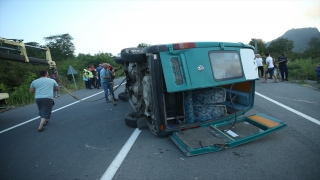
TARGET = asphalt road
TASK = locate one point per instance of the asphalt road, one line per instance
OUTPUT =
(83, 139)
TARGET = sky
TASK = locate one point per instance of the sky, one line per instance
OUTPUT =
(111, 25)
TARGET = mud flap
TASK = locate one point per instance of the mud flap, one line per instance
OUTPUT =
(142, 123)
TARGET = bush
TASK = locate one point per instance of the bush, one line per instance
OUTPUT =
(303, 69)
(22, 95)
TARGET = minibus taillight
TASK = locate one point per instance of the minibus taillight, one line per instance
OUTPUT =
(184, 46)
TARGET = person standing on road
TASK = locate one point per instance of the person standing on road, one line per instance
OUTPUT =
(98, 69)
(318, 73)
(43, 89)
(106, 79)
(276, 69)
(85, 78)
(282, 60)
(113, 75)
(259, 62)
(95, 74)
(55, 76)
(90, 78)
(269, 69)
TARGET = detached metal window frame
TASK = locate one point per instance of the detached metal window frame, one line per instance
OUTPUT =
(221, 70)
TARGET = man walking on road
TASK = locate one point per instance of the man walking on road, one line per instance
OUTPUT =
(43, 89)
(106, 79)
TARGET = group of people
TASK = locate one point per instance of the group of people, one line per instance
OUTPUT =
(102, 76)
(272, 68)
(91, 77)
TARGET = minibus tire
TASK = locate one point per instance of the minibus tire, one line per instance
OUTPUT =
(123, 97)
(119, 60)
(134, 55)
(131, 120)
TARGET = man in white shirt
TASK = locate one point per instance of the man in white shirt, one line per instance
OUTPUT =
(269, 69)
(259, 62)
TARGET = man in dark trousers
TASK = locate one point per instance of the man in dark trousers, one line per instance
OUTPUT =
(43, 89)
(282, 60)
(98, 69)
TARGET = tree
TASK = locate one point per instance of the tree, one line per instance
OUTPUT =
(281, 45)
(142, 45)
(261, 45)
(313, 48)
(61, 46)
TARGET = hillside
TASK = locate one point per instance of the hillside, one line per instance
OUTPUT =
(300, 37)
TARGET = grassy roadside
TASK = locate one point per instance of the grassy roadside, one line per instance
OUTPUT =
(302, 71)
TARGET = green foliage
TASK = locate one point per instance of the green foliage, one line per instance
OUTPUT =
(13, 74)
(61, 46)
(313, 48)
(281, 45)
(83, 60)
(3, 88)
(314, 44)
(21, 95)
(142, 45)
(261, 46)
(293, 56)
(294, 65)
(303, 69)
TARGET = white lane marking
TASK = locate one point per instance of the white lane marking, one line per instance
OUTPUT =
(290, 109)
(53, 111)
(19, 125)
(116, 163)
(300, 100)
